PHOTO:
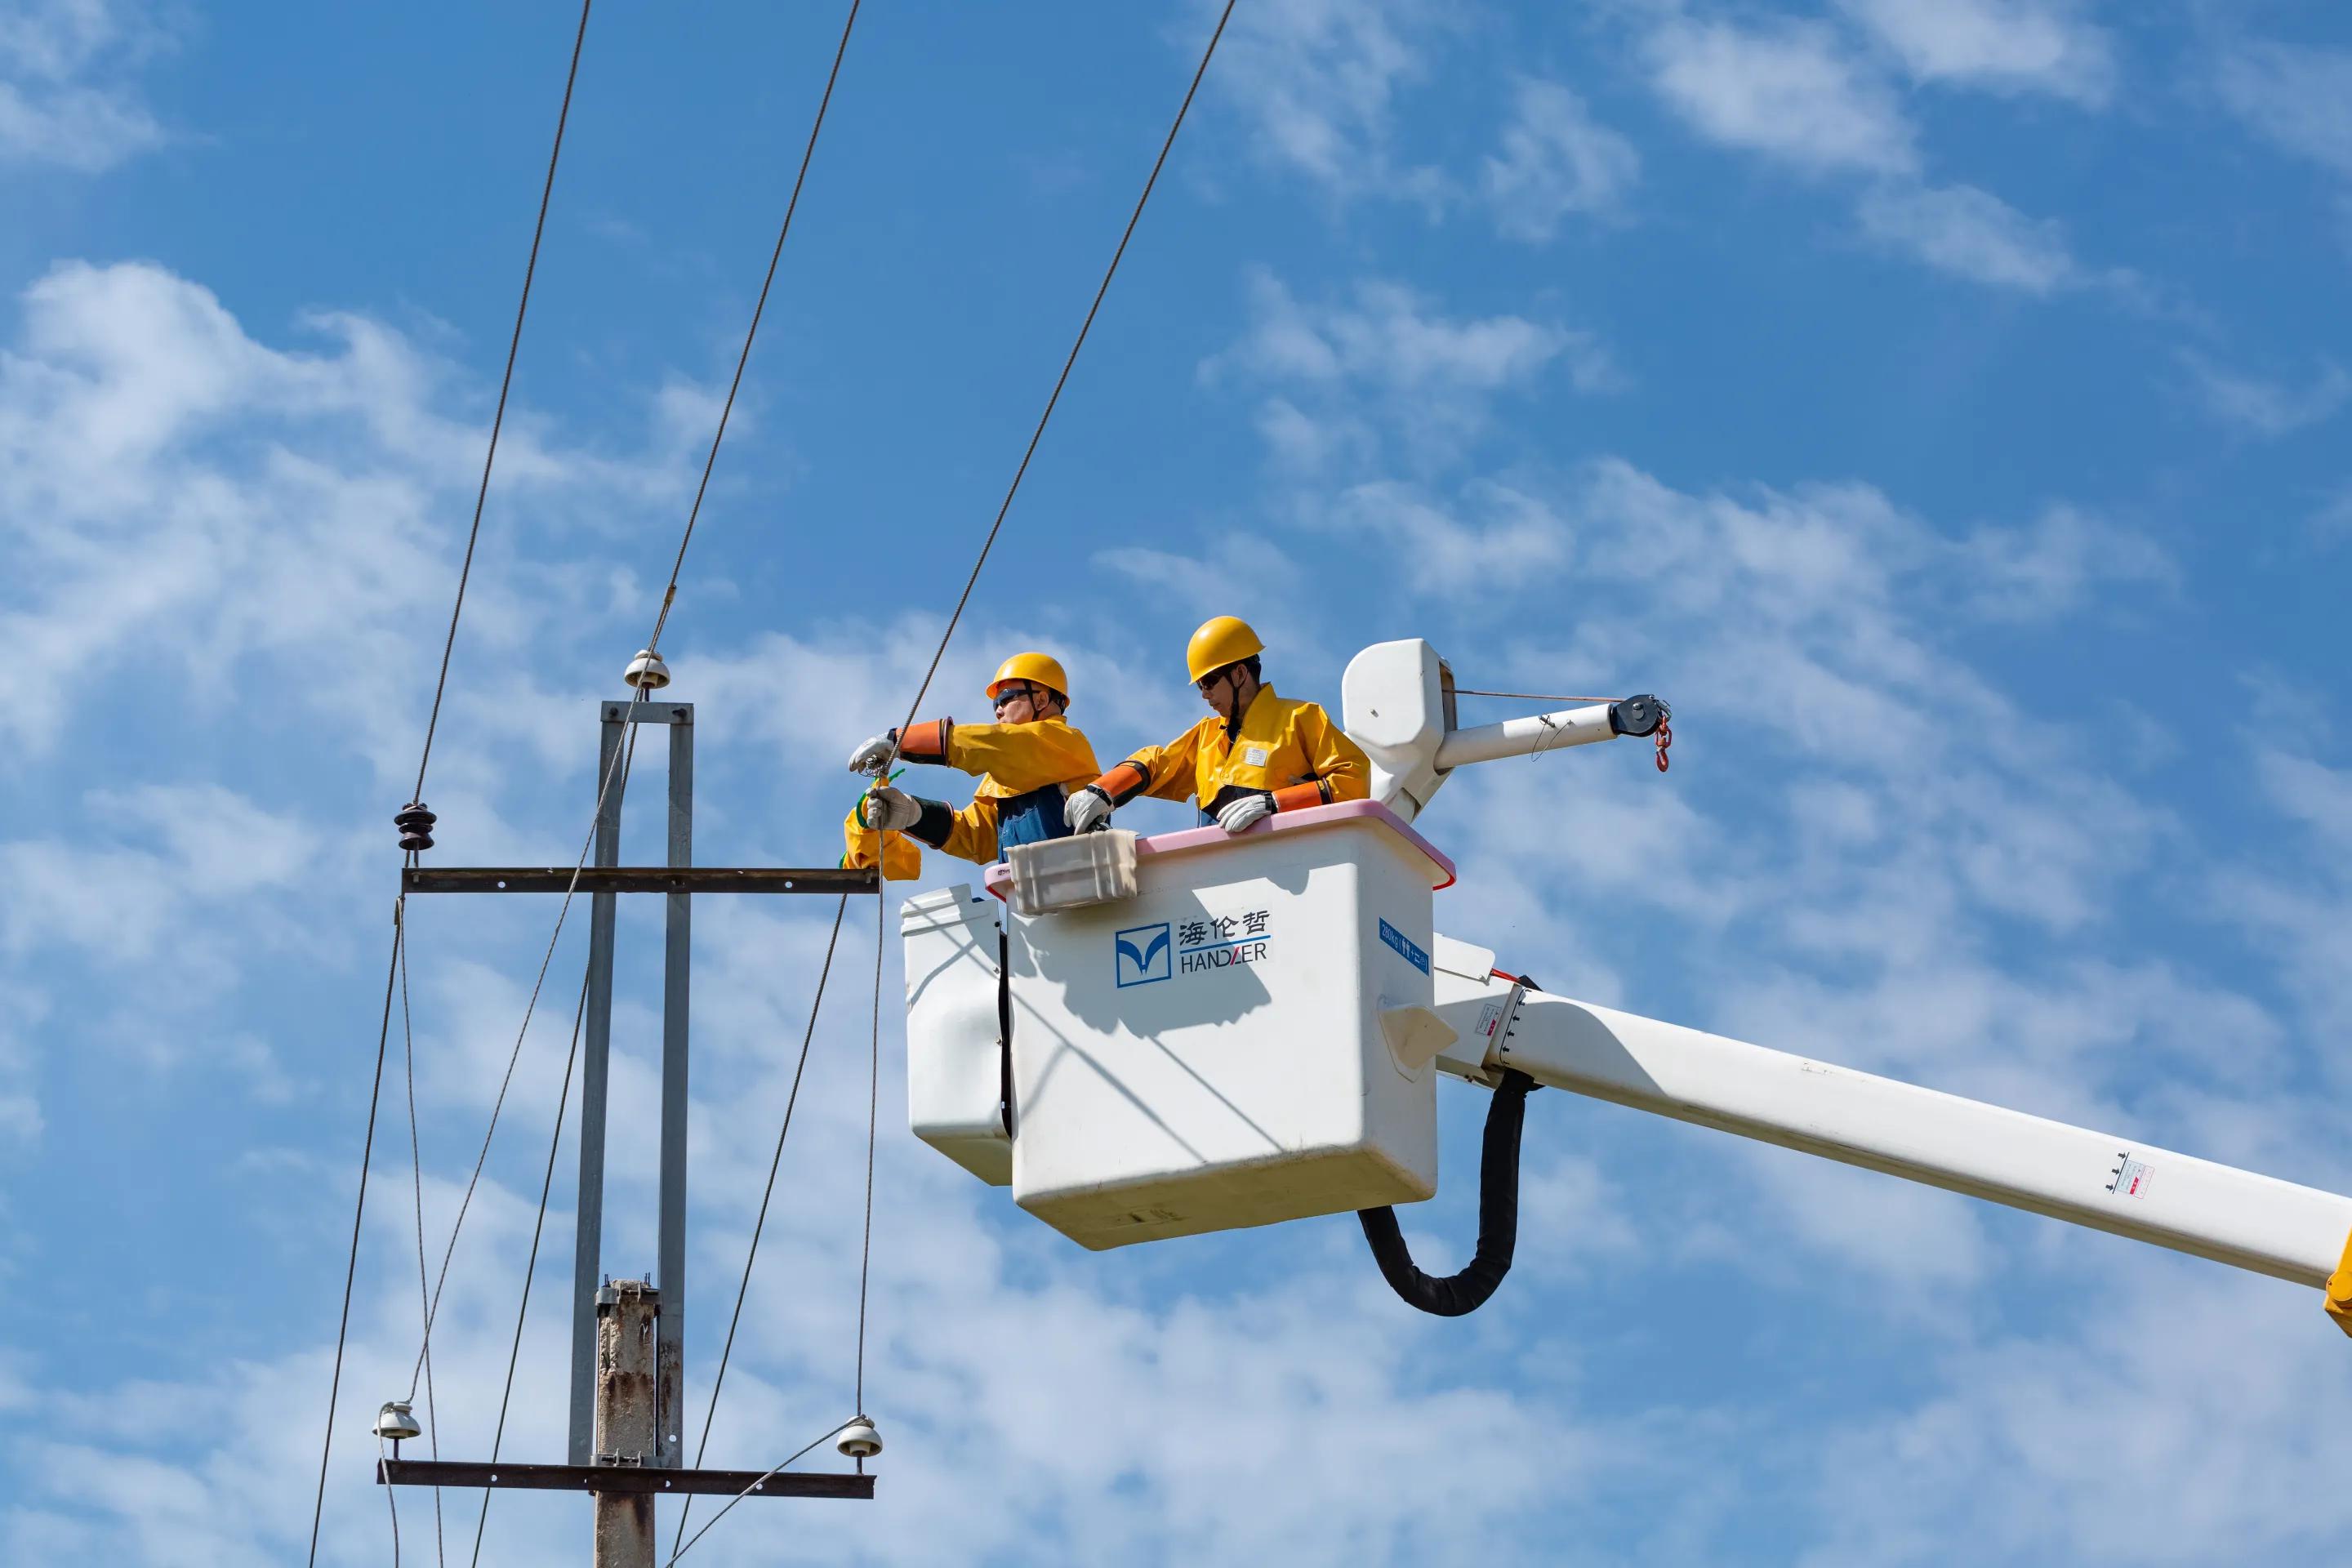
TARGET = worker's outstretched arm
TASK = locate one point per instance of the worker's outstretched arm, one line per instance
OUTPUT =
(968, 834)
(1165, 772)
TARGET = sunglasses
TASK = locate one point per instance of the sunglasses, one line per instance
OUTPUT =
(1015, 694)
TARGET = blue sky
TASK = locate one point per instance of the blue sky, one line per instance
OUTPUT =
(1941, 402)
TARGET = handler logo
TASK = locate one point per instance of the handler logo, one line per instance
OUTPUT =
(1140, 955)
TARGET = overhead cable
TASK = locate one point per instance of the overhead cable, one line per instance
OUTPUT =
(505, 382)
(423, 1296)
(759, 1224)
(756, 1484)
(351, 1266)
(1063, 380)
(669, 593)
(623, 759)
(618, 768)
(531, 1265)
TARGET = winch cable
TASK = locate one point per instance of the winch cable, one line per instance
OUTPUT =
(759, 1224)
(1499, 1217)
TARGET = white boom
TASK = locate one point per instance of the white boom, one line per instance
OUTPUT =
(2097, 1179)
(1398, 701)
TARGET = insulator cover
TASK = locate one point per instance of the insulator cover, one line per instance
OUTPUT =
(415, 825)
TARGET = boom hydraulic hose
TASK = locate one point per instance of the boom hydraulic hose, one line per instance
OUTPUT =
(1498, 1218)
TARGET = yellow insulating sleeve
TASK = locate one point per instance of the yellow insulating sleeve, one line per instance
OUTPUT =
(2338, 1301)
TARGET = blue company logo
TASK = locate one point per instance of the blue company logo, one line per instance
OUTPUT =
(1405, 945)
(1140, 955)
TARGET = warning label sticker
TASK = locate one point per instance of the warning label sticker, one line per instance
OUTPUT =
(2131, 1176)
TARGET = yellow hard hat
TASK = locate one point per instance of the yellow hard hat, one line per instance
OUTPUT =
(1226, 639)
(1043, 669)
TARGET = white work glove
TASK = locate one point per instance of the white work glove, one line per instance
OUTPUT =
(890, 809)
(870, 755)
(1238, 813)
(1088, 810)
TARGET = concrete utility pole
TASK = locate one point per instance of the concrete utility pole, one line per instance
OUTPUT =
(628, 1314)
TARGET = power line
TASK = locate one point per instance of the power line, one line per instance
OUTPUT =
(669, 593)
(668, 596)
(873, 1104)
(1063, 380)
(759, 1224)
(530, 1266)
(424, 1300)
(873, 1079)
(755, 1486)
(620, 769)
(505, 382)
(351, 1269)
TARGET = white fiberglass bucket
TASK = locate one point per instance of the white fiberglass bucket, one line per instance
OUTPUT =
(1216, 1051)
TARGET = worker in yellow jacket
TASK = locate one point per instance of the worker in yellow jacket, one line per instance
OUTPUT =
(1258, 755)
(1028, 762)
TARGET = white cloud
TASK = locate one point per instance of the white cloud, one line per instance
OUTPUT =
(2037, 572)
(2299, 99)
(2332, 523)
(1788, 90)
(1318, 79)
(1386, 354)
(64, 98)
(164, 490)
(1555, 161)
(2009, 46)
(1971, 234)
(2172, 1427)
(1456, 549)
(2264, 407)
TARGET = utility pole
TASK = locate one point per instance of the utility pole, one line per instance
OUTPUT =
(627, 1396)
(628, 1314)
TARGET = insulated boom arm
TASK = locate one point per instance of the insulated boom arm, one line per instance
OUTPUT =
(2090, 1178)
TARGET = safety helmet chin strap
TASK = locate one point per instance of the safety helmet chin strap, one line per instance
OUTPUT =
(1231, 676)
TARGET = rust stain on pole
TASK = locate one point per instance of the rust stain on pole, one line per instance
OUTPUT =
(626, 1314)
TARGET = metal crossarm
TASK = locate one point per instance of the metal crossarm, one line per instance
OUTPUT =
(658, 1480)
(595, 879)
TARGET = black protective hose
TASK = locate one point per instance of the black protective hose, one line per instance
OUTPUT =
(1499, 1217)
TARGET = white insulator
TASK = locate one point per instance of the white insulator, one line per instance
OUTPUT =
(396, 1421)
(859, 1440)
(646, 672)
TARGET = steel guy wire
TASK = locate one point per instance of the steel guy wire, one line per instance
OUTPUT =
(530, 1266)
(1063, 380)
(506, 383)
(669, 593)
(619, 768)
(755, 1486)
(759, 1224)
(424, 1300)
(358, 1212)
